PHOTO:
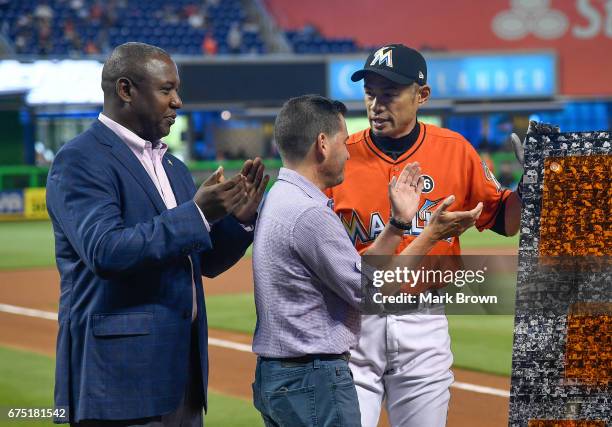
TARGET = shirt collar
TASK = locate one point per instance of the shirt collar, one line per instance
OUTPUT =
(396, 147)
(292, 177)
(132, 140)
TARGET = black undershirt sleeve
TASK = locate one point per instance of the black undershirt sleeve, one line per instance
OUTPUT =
(500, 220)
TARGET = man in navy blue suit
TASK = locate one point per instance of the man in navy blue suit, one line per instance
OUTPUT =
(133, 237)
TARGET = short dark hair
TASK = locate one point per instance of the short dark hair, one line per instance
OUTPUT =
(127, 60)
(301, 120)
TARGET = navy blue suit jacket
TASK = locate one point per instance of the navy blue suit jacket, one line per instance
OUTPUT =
(126, 280)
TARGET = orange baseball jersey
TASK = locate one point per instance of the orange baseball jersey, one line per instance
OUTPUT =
(449, 165)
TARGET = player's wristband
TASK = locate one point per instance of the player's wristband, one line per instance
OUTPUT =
(406, 226)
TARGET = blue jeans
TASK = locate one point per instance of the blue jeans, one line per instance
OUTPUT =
(318, 393)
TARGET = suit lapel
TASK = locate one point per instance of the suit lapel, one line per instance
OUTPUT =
(177, 181)
(123, 153)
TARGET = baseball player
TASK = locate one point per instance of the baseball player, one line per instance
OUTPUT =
(406, 359)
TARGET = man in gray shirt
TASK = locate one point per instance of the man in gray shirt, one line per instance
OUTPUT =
(308, 274)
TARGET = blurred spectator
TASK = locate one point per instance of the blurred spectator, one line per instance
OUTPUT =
(310, 31)
(250, 26)
(24, 23)
(21, 43)
(23, 33)
(109, 14)
(189, 10)
(44, 12)
(234, 38)
(209, 44)
(95, 13)
(43, 15)
(78, 6)
(91, 48)
(483, 144)
(103, 41)
(45, 40)
(68, 28)
(196, 16)
(505, 175)
(72, 37)
(169, 15)
(5, 29)
(44, 156)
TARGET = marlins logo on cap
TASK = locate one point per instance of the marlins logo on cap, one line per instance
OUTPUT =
(396, 62)
(383, 58)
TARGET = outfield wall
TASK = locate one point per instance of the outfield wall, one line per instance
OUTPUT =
(24, 204)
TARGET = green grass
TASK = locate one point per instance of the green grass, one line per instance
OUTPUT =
(26, 381)
(472, 239)
(30, 244)
(26, 244)
(234, 312)
(229, 411)
(482, 343)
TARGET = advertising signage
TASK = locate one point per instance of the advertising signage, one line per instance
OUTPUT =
(579, 32)
(465, 77)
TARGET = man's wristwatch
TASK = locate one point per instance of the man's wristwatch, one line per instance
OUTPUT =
(406, 226)
(250, 226)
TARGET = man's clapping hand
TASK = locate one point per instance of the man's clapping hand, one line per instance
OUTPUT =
(256, 184)
(240, 195)
(218, 197)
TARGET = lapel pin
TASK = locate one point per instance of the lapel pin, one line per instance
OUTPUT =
(170, 162)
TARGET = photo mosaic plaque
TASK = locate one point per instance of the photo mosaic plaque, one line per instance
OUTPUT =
(562, 353)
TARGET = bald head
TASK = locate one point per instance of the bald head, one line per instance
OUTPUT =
(129, 60)
(141, 84)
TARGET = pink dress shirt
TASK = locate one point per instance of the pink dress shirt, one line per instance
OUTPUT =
(151, 159)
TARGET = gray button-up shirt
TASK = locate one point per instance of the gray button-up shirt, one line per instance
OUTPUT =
(307, 274)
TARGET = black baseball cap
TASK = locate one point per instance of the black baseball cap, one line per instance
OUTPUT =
(396, 62)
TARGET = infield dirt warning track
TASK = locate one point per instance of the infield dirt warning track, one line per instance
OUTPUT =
(28, 302)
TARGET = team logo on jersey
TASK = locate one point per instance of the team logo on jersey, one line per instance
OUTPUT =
(428, 184)
(357, 231)
(490, 177)
(383, 58)
(421, 219)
